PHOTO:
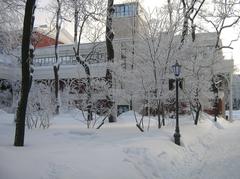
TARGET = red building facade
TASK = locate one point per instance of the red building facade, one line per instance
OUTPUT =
(41, 40)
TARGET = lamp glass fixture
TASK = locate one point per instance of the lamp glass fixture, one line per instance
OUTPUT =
(176, 69)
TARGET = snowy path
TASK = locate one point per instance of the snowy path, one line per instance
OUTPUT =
(222, 160)
(216, 154)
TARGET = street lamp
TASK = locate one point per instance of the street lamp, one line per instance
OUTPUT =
(215, 92)
(177, 70)
(216, 105)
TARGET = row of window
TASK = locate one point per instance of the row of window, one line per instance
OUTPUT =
(51, 60)
(69, 60)
(125, 10)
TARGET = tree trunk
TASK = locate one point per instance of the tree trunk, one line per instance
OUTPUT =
(81, 61)
(163, 114)
(89, 104)
(76, 24)
(216, 108)
(158, 114)
(131, 104)
(185, 29)
(197, 115)
(56, 66)
(198, 109)
(25, 87)
(110, 57)
(56, 86)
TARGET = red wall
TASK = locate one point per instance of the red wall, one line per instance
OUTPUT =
(41, 40)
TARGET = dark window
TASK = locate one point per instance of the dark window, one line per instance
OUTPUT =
(125, 10)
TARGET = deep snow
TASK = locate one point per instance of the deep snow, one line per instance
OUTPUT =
(67, 150)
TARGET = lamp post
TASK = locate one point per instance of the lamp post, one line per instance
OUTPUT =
(216, 106)
(177, 69)
(215, 92)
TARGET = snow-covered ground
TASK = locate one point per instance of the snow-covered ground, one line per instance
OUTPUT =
(67, 150)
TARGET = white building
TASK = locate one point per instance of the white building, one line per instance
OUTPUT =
(128, 24)
(236, 91)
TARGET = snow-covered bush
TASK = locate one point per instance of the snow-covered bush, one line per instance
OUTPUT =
(40, 106)
(5, 98)
(5, 94)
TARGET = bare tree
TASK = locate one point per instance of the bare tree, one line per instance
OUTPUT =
(221, 15)
(26, 78)
(196, 71)
(85, 13)
(11, 16)
(190, 11)
(110, 56)
(56, 65)
(156, 52)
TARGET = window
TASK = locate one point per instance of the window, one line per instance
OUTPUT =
(122, 9)
(125, 10)
(45, 61)
(48, 61)
(123, 55)
(130, 10)
(74, 61)
(134, 9)
(63, 60)
(117, 11)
